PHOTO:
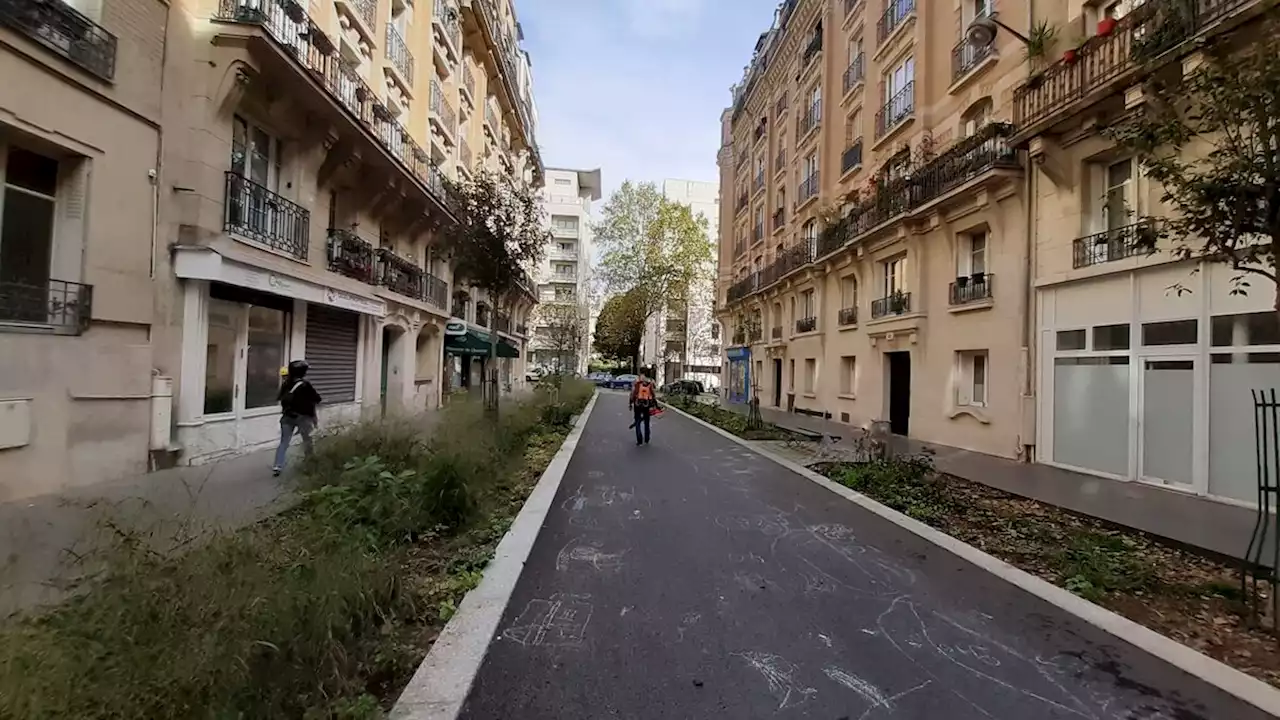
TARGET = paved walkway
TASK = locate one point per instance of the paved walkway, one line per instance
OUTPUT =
(1191, 519)
(695, 579)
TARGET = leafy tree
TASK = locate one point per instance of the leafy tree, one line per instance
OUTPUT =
(620, 329)
(1211, 138)
(500, 231)
(651, 248)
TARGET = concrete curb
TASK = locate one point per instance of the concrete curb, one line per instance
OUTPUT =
(443, 680)
(1224, 677)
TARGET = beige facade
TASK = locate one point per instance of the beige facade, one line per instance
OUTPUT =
(291, 211)
(873, 241)
(80, 113)
(1137, 380)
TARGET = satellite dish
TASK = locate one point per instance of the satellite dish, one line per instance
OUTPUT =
(981, 32)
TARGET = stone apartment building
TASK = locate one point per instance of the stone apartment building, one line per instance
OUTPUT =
(262, 183)
(932, 231)
(564, 277)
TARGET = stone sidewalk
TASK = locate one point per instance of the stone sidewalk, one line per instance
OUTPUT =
(1207, 524)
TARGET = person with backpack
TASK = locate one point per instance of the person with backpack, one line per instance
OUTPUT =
(643, 402)
(298, 401)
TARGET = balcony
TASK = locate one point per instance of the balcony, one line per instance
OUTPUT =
(308, 47)
(811, 50)
(743, 287)
(491, 119)
(966, 56)
(850, 6)
(741, 202)
(1104, 62)
(757, 233)
(447, 32)
(808, 189)
(779, 219)
(558, 254)
(483, 315)
(564, 277)
(754, 334)
(502, 323)
(566, 230)
(469, 84)
(970, 289)
(52, 306)
(898, 303)
(64, 31)
(403, 277)
(443, 115)
(856, 73)
(780, 161)
(896, 111)
(464, 154)
(1116, 244)
(398, 54)
(740, 336)
(894, 16)
(351, 255)
(761, 130)
(758, 183)
(775, 333)
(806, 325)
(848, 316)
(364, 12)
(808, 121)
(255, 213)
(852, 157)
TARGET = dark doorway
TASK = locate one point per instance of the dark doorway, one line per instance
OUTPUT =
(387, 339)
(777, 382)
(898, 368)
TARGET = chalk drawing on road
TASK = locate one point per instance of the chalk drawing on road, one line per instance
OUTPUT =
(750, 581)
(826, 639)
(588, 552)
(748, 558)
(877, 698)
(780, 674)
(687, 621)
(559, 622)
(595, 473)
(625, 609)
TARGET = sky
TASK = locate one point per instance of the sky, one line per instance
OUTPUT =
(636, 87)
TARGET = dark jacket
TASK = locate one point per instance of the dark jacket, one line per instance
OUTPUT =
(297, 397)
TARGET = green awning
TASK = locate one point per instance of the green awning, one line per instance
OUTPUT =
(475, 343)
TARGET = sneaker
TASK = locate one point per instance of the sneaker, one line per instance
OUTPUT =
(275, 471)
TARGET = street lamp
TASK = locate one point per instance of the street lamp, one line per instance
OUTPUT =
(982, 31)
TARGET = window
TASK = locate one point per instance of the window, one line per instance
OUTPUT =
(1118, 206)
(1071, 339)
(810, 374)
(898, 100)
(973, 254)
(791, 375)
(971, 390)
(1243, 330)
(562, 181)
(809, 234)
(852, 128)
(848, 375)
(809, 169)
(220, 357)
(264, 356)
(1175, 332)
(855, 49)
(240, 329)
(1111, 337)
(848, 292)
(30, 185)
(255, 154)
(977, 116)
(974, 9)
(782, 200)
(808, 307)
(567, 223)
(815, 102)
(895, 275)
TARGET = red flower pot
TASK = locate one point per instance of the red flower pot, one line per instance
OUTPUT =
(1069, 57)
(1106, 26)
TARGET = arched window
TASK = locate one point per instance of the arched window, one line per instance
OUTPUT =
(975, 117)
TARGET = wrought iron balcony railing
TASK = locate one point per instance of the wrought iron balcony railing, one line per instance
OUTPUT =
(742, 202)
(775, 333)
(809, 120)
(435, 290)
(1151, 29)
(856, 72)
(758, 184)
(754, 334)
(739, 336)
(491, 119)
(898, 108)
(1116, 244)
(896, 304)
(972, 288)
(288, 24)
(502, 322)
(367, 10)
(65, 31)
(779, 219)
(895, 13)
(398, 53)
(808, 188)
(469, 82)
(986, 149)
(811, 50)
(804, 325)
(464, 153)
(351, 255)
(966, 56)
(757, 233)
(848, 316)
(50, 305)
(442, 108)
(398, 274)
(254, 212)
(780, 160)
(852, 157)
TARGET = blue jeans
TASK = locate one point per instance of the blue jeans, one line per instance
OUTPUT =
(303, 425)
(642, 420)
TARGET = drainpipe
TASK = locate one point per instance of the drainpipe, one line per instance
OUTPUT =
(1027, 450)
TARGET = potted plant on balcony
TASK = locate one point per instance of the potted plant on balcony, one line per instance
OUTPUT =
(898, 301)
(1106, 26)
(962, 281)
(294, 10)
(978, 278)
(1039, 41)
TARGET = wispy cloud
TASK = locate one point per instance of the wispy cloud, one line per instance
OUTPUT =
(636, 87)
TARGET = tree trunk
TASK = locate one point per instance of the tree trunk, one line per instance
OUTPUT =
(491, 400)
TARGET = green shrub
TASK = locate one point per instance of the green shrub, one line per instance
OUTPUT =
(1095, 562)
(905, 483)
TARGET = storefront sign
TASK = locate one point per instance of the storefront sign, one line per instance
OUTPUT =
(738, 353)
(205, 264)
(455, 327)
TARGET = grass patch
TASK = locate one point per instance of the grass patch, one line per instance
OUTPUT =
(734, 422)
(321, 612)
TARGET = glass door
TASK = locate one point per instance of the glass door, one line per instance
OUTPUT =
(1167, 420)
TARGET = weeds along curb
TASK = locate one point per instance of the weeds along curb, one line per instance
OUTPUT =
(1224, 677)
(442, 682)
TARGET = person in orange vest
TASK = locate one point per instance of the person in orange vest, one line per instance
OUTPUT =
(643, 402)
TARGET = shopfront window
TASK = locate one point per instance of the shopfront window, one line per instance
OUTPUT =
(220, 357)
(265, 354)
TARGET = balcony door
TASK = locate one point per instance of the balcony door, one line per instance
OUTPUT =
(255, 156)
(28, 199)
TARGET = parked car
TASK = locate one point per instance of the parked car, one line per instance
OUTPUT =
(623, 382)
(601, 379)
(684, 387)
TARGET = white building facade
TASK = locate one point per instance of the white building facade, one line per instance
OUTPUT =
(564, 276)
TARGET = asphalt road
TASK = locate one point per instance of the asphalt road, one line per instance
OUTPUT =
(694, 579)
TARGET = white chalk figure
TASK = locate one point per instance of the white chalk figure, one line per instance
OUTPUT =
(558, 622)
(780, 675)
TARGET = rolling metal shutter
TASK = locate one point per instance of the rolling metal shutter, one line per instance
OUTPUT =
(333, 342)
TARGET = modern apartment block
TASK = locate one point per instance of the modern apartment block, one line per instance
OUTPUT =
(873, 253)
(683, 341)
(564, 278)
(80, 117)
(1135, 380)
(293, 211)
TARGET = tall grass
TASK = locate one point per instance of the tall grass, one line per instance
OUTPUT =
(310, 614)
